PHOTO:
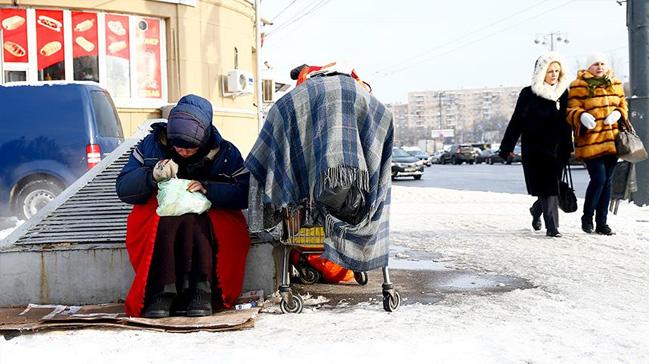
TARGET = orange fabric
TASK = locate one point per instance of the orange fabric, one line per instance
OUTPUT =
(233, 242)
(306, 72)
(330, 271)
(602, 102)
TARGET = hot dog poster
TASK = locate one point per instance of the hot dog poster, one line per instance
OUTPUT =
(117, 41)
(84, 34)
(14, 32)
(50, 45)
(148, 58)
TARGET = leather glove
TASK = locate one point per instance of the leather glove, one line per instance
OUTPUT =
(588, 120)
(612, 118)
(165, 169)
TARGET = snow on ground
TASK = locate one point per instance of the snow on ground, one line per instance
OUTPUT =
(590, 303)
(9, 225)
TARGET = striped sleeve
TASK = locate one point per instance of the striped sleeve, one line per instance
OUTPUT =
(576, 96)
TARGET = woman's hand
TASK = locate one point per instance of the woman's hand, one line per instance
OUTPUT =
(612, 118)
(195, 186)
(165, 169)
(588, 120)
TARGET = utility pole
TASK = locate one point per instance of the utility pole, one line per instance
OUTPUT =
(638, 24)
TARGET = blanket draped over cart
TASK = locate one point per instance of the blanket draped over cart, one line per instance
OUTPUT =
(328, 142)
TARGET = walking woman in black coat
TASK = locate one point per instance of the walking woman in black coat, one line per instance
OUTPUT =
(539, 120)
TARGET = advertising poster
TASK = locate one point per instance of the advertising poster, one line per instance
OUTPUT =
(50, 43)
(85, 52)
(117, 40)
(84, 34)
(148, 58)
(14, 32)
(118, 55)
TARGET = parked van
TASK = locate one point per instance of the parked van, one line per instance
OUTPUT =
(50, 135)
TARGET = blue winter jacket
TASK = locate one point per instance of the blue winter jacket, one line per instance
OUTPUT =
(220, 169)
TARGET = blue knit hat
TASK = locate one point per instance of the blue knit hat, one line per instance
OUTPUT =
(190, 122)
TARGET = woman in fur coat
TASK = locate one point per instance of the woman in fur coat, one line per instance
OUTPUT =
(595, 105)
(539, 119)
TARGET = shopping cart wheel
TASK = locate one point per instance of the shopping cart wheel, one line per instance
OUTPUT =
(296, 307)
(309, 275)
(361, 278)
(391, 300)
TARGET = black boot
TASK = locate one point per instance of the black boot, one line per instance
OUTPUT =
(159, 305)
(604, 229)
(553, 233)
(536, 221)
(587, 224)
(200, 303)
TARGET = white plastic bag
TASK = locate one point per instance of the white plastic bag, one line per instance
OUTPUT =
(175, 200)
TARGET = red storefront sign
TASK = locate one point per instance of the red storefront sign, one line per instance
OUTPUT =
(49, 37)
(14, 33)
(148, 58)
(84, 34)
(117, 41)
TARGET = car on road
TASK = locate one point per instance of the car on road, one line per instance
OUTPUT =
(484, 155)
(421, 155)
(458, 154)
(435, 157)
(50, 135)
(405, 165)
(495, 158)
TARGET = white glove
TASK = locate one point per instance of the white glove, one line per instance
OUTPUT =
(165, 169)
(588, 120)
(612, 118)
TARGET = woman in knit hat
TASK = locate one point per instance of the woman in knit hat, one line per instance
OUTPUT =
(596, 103)
(539, 119)
(185, 264)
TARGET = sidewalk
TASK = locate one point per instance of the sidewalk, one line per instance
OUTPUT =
(585, 299)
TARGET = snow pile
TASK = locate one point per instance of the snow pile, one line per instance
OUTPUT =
(10, 221)
(590, 302)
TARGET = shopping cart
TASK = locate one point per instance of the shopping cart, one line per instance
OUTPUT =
(301, 232)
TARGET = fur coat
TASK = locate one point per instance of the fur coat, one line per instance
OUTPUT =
(599, 101)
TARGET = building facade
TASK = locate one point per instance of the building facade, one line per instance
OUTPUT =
(469, 112)
(146, 53)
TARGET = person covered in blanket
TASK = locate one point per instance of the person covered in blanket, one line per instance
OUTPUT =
(328, 271)
(193, 263)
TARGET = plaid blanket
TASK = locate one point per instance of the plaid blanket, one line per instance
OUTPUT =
(329, 143)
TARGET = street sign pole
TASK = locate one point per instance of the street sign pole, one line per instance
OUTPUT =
(638, 25)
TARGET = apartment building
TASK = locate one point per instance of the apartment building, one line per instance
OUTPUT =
(468, 112)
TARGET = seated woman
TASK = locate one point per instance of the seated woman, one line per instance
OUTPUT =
(175, 257)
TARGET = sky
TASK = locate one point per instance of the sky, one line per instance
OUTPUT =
(587, 303)
(416, 45)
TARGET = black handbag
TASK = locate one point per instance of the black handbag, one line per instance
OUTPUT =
(567, 197)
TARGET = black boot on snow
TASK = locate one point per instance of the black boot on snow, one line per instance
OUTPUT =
(587, 224)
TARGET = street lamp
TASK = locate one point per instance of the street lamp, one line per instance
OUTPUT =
(551, 39)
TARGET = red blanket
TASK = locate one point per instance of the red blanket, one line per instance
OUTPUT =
(232, 237)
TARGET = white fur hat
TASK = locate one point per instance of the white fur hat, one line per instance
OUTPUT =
(596, 57)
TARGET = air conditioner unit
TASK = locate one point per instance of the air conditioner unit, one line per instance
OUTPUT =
(240, 82)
